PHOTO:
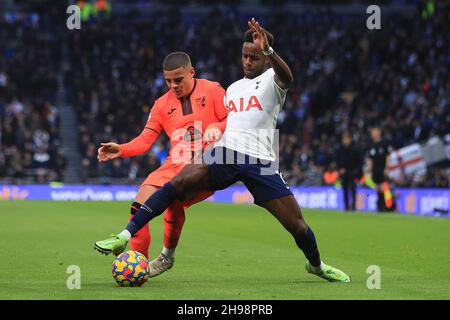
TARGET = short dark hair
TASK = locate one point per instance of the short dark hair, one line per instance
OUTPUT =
(375, 127)
(248, 36)
(176, 60)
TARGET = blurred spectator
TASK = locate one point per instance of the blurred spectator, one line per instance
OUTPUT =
(377, 156)
(349, 163)
(29, 126)
(331, 175)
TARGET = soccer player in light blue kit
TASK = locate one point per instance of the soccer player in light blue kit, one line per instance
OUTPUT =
(254, 103)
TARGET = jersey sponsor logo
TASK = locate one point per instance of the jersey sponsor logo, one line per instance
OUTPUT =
(192, 134)
(253, 102)
(185, 141)
(201, 102)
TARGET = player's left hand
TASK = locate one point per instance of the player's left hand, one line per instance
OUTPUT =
(259, 36)
(212, 133)
(108, 151)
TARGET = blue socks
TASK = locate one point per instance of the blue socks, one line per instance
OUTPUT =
(153, 207)
(308, 245)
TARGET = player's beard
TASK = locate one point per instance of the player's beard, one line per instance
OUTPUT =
(250, 74)
(253, 73)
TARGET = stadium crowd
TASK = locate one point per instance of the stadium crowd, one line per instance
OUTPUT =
(29, 122)
(347, 78)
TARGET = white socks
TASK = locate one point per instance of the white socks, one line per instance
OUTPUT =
(168, 253)
(126, 234)
(316, 269)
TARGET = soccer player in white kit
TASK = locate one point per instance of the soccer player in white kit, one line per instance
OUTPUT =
(245, 153)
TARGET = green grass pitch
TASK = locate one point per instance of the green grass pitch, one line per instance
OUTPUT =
(225, 252)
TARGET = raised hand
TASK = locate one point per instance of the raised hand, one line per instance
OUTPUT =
(108, 151)
(259, 36)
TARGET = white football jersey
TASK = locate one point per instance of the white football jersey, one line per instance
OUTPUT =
(254, 105)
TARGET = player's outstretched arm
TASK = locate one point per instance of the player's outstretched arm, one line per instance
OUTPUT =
(283, 74)
(140, 144)
(148, 136)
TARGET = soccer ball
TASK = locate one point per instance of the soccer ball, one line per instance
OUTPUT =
(130, 269)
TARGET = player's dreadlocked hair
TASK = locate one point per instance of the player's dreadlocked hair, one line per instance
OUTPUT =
(248, 36)
(176, 60)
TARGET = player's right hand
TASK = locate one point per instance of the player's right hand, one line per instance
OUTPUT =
(108, 151)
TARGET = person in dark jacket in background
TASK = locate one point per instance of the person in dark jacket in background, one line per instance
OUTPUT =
(377, 156)
(350, 168)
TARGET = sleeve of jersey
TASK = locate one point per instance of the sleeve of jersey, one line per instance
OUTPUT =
(280, 92)
(220, 109)
(148, 136)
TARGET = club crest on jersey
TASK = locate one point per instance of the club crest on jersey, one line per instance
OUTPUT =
(243, 106)
(201, 102)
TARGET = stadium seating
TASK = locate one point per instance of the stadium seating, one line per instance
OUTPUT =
(29, 121)
(346, 78)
